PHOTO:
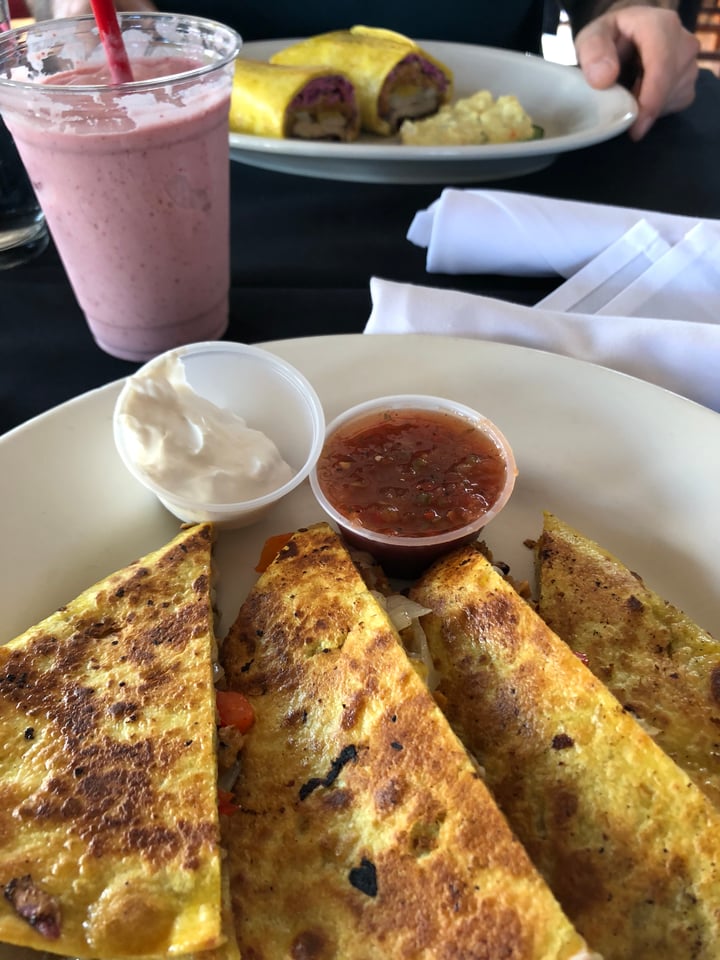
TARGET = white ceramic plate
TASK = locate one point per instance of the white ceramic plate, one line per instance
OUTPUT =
(556, 96)
(631, 465)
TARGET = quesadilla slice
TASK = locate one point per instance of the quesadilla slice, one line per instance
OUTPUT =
(297, 102)
(629, 845)
(363, 827)
(662, 667)
(394, 79)
(109, 823)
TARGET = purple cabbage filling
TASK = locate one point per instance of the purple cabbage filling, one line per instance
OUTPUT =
(428, 68)
(331, 88)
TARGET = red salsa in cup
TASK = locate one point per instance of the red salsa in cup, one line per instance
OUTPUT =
(411, 473)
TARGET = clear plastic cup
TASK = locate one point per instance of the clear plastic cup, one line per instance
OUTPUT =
(23, 231)
(133, 178)
(266, 391)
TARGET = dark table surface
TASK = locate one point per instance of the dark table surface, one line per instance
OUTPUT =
(304, 249)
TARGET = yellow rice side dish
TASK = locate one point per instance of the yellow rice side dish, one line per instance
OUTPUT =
(477, 119)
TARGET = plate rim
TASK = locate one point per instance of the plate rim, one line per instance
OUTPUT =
(84, 502)
(490, 345)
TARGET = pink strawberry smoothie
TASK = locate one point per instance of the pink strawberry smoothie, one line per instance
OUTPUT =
(134, 183)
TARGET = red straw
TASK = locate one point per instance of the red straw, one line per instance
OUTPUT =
(117, 58)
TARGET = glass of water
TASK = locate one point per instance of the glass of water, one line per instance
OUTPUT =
(23, 233)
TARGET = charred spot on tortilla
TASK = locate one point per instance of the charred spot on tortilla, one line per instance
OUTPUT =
(364, 878)
(347, 754)
(714, 684)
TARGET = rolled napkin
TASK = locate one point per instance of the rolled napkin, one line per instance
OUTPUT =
(684, 282)
(680, 355)
(502, 232)
(609, 273)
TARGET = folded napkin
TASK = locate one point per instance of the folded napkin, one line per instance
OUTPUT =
(680, 355)
(610, 272)
(502, 232)
(682, 283)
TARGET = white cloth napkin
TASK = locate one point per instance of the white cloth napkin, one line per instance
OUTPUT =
(502, 232)
(684, 282)
(610, 272)
(680, 355)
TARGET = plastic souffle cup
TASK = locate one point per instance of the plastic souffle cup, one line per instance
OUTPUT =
(240, 380)
(133, 178)
(410, 477)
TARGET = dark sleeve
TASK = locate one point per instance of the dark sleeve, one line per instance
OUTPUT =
(582, 12)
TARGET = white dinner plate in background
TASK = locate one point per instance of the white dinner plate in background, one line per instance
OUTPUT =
(557, 97)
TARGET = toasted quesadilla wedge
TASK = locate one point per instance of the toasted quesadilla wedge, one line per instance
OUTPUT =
(394, 79)
(661, 666)
(629, 845)
(109, 824)
(364, 828)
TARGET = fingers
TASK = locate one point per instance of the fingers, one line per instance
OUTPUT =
(598, 55)
(667, 56)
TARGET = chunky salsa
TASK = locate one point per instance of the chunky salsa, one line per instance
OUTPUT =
(411, 473)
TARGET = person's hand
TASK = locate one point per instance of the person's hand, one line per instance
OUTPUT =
(666, 51)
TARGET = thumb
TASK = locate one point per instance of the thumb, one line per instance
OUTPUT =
(597, 55)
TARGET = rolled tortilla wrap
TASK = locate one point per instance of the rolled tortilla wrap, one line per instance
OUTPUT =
(394, 78)
(310, 103)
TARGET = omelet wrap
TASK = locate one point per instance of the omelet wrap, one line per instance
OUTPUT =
(394, 78)
(310, 103)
